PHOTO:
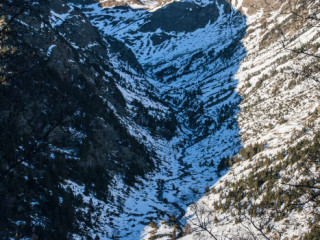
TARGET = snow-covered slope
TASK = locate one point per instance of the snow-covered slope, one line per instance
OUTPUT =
(278, 120)
(189, 52)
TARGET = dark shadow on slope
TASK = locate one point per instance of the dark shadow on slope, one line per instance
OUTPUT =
(56, 124)
(181, 17)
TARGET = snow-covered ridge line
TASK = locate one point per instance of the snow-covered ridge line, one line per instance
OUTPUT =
(149, 5)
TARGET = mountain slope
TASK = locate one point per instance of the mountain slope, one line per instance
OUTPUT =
(66, 121)
(115, 120)
(271, 191)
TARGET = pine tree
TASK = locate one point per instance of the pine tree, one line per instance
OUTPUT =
(207, 190)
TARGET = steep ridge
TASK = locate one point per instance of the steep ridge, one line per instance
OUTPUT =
(271, 191)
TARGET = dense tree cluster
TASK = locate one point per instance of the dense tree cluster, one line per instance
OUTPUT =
(56, 125)
(269, 190)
